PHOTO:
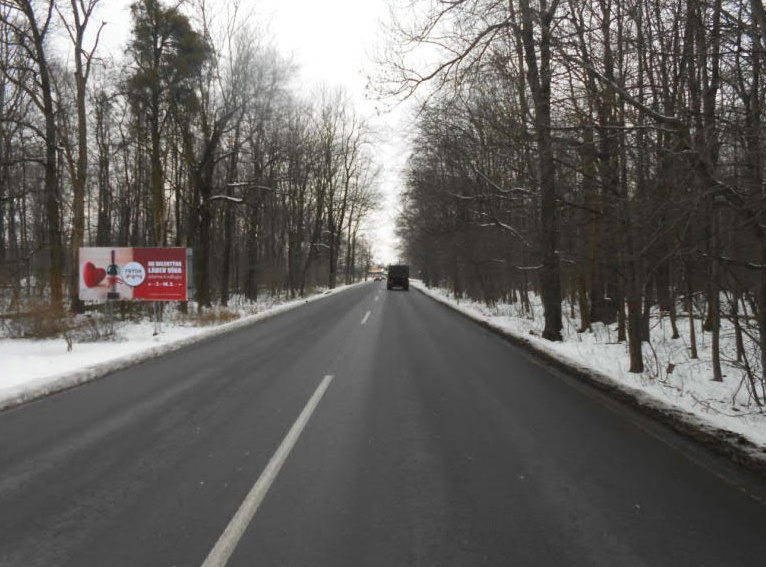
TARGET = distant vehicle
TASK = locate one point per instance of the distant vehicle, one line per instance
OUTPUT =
(378, 277)
(398, 276)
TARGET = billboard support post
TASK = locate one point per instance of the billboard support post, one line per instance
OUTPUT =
(109, 315)
(157, 318)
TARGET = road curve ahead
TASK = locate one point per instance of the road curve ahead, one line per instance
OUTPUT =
(372, 428)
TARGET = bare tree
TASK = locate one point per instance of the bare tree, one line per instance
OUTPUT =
(76, 21)
(31, 28)
(469, 32)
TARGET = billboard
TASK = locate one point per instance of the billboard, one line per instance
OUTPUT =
(133, 274)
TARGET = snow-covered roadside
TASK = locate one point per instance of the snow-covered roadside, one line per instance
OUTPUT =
(31, 369)
(686, 396)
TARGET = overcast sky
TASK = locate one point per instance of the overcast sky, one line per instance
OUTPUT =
(331, 40)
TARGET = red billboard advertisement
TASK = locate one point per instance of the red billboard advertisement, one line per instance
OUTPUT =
(135, 274)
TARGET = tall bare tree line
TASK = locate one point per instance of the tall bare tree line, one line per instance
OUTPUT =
(196, 138)
(617, 143)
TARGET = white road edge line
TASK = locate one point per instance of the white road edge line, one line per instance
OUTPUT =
(366, 316)
(224, 547)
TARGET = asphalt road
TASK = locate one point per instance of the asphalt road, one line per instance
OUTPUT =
(371, 428)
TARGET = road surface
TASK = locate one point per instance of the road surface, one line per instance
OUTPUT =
(372, 428)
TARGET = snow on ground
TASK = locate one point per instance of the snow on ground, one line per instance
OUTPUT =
(30, 369)
(34, 368)
(689, 387)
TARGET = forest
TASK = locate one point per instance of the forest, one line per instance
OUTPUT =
(195, 135)
(603, 156)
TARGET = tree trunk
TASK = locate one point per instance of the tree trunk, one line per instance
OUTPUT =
(79, 169)
(762, 316)
(539, 74)
(228, 222)
(738, 335)
(52, 198)
(690, 310)
(715, 302)
(633, 297)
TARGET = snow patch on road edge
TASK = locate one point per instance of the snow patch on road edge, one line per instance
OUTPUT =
(731, 444)
(43, 387)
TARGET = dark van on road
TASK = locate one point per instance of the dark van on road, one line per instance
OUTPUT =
(398, 276)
